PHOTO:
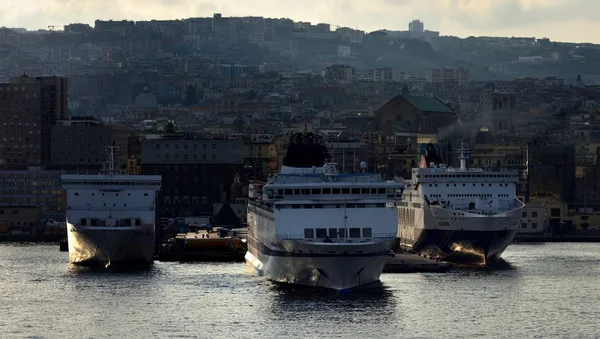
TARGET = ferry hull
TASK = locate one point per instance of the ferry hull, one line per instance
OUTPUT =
(111, 247)
(326, 272)
(462, 246)
(336, 273)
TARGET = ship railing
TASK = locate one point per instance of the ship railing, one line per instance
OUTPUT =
(346, 239)
(260, 205)
(110, 208)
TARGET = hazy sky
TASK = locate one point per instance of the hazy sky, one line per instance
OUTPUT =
(561, 20)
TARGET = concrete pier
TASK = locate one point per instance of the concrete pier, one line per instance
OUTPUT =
(412, 263)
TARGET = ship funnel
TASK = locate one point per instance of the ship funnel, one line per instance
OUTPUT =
(464, 155)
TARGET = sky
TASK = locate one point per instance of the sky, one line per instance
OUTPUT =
(559, 20)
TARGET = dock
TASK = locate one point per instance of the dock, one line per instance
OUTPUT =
(204, 245)
(412, 263)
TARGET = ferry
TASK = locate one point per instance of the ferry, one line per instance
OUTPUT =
(458, 213)
(111, 216)
(313, 226)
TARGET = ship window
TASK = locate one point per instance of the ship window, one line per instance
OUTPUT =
(306, 191)
(345, 191)
(317, 206)
(326, 190)
(364, 191)
(355, 233)
(138, 222)
(342, 232)
(287, 191)
(381, 190)
(333, 233)
(145, 194)
(296, 191)
(83, 222)
(309, 233)
(321, 233)
(356, 191)
(335, 191)
(315, 191)
(76, 193)
(367, 232)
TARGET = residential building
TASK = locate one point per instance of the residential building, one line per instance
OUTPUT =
(29, 107)
(340, 74)
(80, 144)
(459, 75)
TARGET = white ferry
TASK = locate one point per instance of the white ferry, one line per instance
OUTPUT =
(111, 216)
(455, 211)
(312, 226)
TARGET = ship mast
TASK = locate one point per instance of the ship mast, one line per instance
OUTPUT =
(110, 167)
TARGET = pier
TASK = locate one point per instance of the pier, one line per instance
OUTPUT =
(218, 245)
(412, 263)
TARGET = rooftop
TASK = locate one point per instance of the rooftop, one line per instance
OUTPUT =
(428, 103)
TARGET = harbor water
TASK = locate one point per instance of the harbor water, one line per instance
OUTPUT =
(545, 291)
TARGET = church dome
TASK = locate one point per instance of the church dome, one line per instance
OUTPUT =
(145, 99)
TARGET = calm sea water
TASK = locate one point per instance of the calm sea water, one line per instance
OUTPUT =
(548, 291)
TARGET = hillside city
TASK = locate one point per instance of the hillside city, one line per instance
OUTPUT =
(209, 104)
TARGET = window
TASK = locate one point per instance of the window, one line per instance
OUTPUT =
(534, 225)
(316, 191)
(523, 225)
(333, 233)
(524, 214)
(309, 233)
(83, 222)
(138, 222)
(321, 233)
(555, 212)
(355, 233)
(342, 232)
(534, 214)
(367, 232)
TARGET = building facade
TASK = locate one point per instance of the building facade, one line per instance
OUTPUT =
(29, 107)
(196, 173)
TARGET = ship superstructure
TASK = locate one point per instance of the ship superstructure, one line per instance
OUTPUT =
(111, 215)
(311, 225)
(456, 211)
